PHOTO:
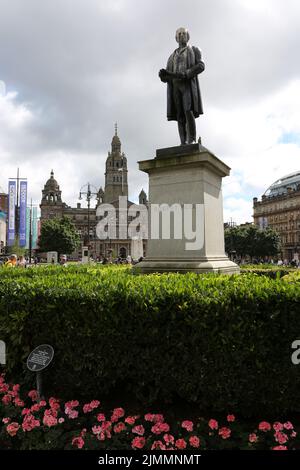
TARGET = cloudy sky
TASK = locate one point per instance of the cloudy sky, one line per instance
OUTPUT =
(69, 69)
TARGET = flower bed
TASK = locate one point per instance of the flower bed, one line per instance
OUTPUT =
(27, 423)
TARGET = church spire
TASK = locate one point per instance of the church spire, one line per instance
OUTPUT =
(116, 143)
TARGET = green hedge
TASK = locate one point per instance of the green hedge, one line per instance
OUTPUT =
(271, 271)
(223, 342)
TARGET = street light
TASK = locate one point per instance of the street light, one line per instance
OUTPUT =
(87, 190)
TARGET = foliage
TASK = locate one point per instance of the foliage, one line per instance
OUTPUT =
(272, 271)
(219, 341)
(292, 277)
(252, 241)
(16, 249)
(33, 424)
(59, 234)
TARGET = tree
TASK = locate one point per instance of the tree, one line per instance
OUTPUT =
(252, 241)
(59, 234)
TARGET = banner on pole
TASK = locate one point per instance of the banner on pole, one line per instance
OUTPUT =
(23, 207)
(11, 212)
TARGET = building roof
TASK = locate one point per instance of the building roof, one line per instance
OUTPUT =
(52, 184)
(281, 186)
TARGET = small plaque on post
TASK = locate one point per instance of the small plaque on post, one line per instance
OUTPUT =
(40, 358)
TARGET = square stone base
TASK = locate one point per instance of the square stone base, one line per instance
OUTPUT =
(220, 265)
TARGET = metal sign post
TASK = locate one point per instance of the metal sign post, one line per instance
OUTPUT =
(37, 361)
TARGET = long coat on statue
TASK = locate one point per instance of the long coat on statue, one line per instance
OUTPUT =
(194, 67)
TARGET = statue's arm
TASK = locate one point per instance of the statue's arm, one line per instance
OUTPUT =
(199, 64)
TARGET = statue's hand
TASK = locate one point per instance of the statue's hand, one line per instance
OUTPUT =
(181, 76)
(163, 75)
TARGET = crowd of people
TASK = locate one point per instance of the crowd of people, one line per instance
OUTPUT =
(275, 261)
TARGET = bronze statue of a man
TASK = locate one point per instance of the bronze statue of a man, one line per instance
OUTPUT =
(184, 100)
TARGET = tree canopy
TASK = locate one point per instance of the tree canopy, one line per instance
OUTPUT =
(59, 234)
(252, 241)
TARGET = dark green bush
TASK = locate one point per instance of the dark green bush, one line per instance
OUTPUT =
(221, 341)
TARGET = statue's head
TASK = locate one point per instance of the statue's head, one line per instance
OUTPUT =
(182, 36)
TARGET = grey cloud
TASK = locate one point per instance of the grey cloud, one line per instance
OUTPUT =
(81, 65)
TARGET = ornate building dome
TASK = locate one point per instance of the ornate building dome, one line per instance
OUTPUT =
(282, 185)
(51, 192)
(51, 184)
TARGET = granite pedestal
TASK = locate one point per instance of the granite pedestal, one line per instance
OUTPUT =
(187, 177)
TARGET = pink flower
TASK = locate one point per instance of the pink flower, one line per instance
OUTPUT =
(138, 442)
(87, 408)
(140, 430)
(293, 434)
(154, 418)
(72, 414)
(70, 404)
(213, 424)
(158, 445)
(35, 407)
(78, 442)
(224, 433)
(42, 403)
(96, 429)
(117, 414)
(5, 420)
(278, 426)
(264, 426)
(279, 448)
(169, 439)
(54, 404)
(288, 425)
(100, 417)
(158, 428)
(230, 418)
(16, 389)
(18, 402)
(253, 437)
(281, 437)
(33, 394)
(119, 427)
(180, 444)
(194, 441)
(6, 399)
(95, 403)
(29, 422)
(130, 420)
(4, 388)
(49, 420)
(91, 406)
(188, 425)
(61, 420)
(12, 428)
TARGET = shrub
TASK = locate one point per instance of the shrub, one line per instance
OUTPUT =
(222, 342)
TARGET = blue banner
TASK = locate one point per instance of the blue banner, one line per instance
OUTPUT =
(11, 212)
(23, 207)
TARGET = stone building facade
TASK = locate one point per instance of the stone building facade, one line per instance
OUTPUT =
(279, 209)
(116, 185)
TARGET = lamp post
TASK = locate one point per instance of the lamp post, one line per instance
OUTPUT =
(88, 191)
